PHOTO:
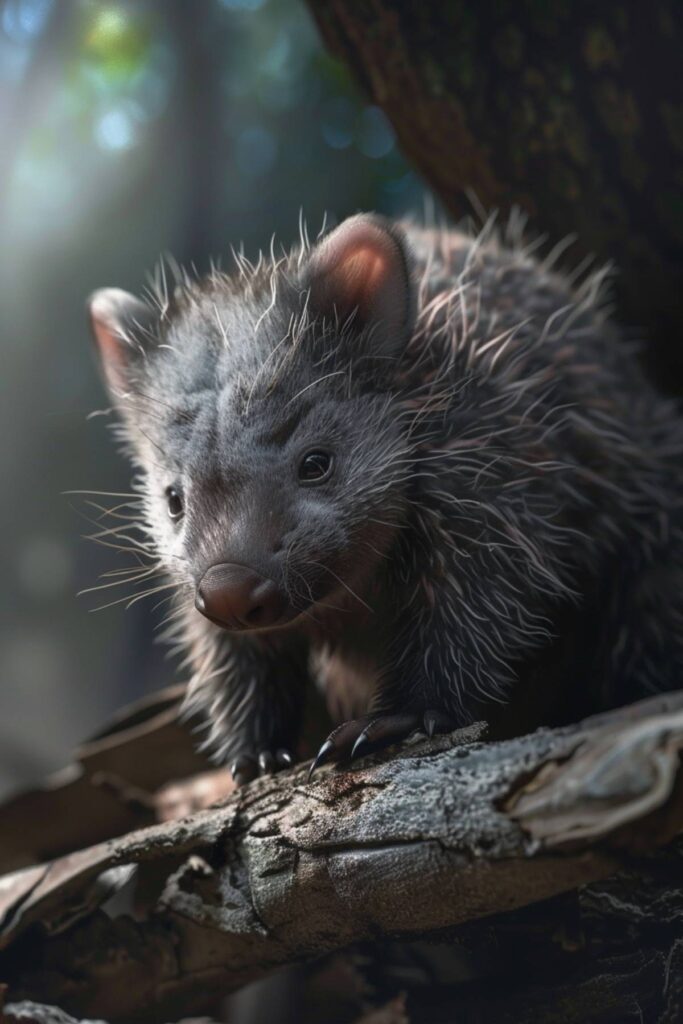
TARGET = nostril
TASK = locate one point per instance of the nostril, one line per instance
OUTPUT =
(255, 615)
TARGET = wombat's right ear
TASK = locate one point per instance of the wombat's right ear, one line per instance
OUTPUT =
(122, 327)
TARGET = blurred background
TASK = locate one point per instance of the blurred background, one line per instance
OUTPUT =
(128, 130)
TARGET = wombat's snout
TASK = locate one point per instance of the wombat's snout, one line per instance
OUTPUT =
(237, 598)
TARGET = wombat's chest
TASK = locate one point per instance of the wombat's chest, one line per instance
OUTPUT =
(347, 660)
(347, 683)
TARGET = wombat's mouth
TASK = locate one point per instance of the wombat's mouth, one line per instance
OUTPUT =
(290, 615)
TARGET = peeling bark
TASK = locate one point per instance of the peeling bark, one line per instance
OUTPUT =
(144, 768)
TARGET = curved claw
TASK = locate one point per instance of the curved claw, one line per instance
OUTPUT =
(284, 758)
(384, 730)
(243, 769)
(361, 746)
(266, 762)
(361, 736)
(437, 722)
(430, 723)
(323, 755)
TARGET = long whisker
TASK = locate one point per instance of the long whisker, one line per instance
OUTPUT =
(129, 601)
(108, 494)
(353, 594)
(148, 574)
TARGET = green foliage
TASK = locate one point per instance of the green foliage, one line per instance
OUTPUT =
(115, 42)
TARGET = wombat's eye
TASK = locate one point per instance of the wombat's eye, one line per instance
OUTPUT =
(315, 467)
(175, 502)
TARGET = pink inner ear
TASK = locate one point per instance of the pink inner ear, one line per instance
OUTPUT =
(107, 343)
(360, 278)
(112, 347)
(360, 267)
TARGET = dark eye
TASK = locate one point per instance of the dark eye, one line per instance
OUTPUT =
(175, 502)
(315, 467)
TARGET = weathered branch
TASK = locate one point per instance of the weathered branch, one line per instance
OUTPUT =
(437, 835)
(120, 781)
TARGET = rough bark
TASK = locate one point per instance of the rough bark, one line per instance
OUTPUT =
(439, 835)
(142, 769)
(572, 111)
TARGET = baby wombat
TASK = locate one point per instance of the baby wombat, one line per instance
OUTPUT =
(414, 464)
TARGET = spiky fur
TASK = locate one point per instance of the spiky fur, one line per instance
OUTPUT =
(511, 476)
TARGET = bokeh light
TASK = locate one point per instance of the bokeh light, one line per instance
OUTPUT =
(375, 134)
(115, 129)
(22, 20)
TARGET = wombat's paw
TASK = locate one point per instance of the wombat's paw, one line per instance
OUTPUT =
(246, 767)
(362, 736)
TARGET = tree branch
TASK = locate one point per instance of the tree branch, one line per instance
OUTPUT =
(440, 834)
(119, 782)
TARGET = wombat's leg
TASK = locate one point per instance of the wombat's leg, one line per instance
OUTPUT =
(252, 705)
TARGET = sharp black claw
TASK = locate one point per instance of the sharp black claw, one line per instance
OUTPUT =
(361, 746)
(430, 723)
(243, 770)
(266, 762)
(323, 756)
(284, 758)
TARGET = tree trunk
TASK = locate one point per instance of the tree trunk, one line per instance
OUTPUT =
(572, 111)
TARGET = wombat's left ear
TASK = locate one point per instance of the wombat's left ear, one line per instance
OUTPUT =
(122, 326)
(361, 272)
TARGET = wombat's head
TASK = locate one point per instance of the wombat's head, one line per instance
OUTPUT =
(261, 408)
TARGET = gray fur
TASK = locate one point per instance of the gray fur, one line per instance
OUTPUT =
(501, 471)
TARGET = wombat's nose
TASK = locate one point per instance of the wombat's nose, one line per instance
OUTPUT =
(235, 597)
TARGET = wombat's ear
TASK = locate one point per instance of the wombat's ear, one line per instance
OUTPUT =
(362, 271)
(122, 326)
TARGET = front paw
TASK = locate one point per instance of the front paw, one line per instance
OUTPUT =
(248, 766)
(362, 736)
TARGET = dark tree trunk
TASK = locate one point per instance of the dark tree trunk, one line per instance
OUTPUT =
(574, 111)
